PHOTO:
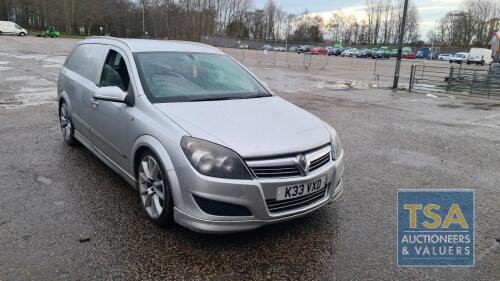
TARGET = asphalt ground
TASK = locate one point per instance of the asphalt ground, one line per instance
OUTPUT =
(65, 216)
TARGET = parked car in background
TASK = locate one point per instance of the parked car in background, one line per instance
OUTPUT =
(244, 46)
(407, 50)
(424, 53)
(156, 112)
(445, 57)
(381, 54)
(409, 56)
(394, 52)
(318, 51)
(279, 49)
(305, 49)
(335, 51)
(11, 28)
(349, 52)
(364, 53)
(480, 56)
(267, 47)
(293, 49)
(459, 58)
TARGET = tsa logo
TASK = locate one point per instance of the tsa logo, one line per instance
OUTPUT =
(435, 227)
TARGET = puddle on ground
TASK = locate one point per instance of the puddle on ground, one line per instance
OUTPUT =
(450, 106)
(51, 65)
(472, 105)
(59, 60)
(482, 104)
(19, 89)
(19, 78)
(349, 84)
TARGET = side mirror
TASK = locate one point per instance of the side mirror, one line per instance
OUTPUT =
(110, 93)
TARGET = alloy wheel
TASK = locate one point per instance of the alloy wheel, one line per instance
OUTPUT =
(65, 120)
(151, 186)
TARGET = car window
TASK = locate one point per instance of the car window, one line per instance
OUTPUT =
(178, 76)
(114, 71)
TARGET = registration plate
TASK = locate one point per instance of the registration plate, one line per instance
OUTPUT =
(300, 189)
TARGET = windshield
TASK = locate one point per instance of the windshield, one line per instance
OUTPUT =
(180, 77)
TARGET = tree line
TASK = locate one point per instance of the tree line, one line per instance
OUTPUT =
(191, 19)
(472, 25)
(380, 26)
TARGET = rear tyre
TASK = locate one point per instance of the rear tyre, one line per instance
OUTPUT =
(67, 128)
(22, 34)
(154, 189)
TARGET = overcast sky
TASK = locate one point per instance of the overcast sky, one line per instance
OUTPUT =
(429, 10)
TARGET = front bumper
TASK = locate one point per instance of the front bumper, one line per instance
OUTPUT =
(230, 226)
(251, 194)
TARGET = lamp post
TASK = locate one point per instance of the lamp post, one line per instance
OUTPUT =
(400, 46)
(143, 18)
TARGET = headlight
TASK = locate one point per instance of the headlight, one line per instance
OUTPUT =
(214, 160)
(335, 140)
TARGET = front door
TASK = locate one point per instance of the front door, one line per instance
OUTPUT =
(109, 121)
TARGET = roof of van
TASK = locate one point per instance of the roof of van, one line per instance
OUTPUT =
(143, 45)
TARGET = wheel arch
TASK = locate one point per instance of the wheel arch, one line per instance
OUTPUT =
(148, 142)
(63, 96)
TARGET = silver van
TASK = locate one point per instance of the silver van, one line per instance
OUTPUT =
(203, 140)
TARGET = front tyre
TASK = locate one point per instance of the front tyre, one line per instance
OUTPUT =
(67, 127)
(154, 189)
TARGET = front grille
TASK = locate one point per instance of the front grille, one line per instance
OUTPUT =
(286, 166)
(281, 206)
(276, 171)
(318, 163)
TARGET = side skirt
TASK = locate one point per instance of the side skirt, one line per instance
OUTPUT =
(119, 170)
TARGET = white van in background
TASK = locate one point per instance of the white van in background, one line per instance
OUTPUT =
(480, 56)
(8, 27)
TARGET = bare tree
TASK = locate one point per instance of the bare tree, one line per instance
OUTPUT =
(472, 25)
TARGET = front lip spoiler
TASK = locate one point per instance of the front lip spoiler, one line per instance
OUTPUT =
(232, 226)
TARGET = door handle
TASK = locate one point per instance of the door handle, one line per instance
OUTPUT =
(94, 102)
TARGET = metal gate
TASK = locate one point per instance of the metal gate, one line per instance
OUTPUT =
(468, 80)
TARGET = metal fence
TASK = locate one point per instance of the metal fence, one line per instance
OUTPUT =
(465, 80)
(429, 76)
(271, 58)
(385, 68)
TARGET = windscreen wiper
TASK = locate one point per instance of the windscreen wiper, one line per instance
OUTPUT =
(214, 98)
(259, 95)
